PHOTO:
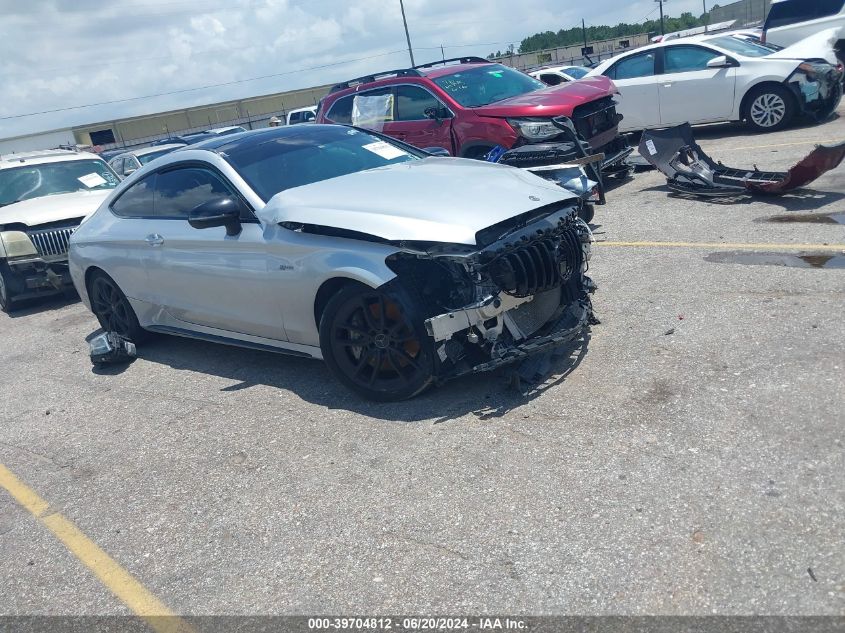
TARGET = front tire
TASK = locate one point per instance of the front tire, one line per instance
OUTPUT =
(7, 292)
(374, 347)
(112, 308)
(769, 108)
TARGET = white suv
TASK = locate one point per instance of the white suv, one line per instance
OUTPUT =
(790, 21)
(44, 196)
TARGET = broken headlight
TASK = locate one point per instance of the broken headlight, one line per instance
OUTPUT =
(111, 347)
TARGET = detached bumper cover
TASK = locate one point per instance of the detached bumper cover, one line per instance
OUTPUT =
(689, 170)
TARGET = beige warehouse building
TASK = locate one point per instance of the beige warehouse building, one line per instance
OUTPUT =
(252, 113)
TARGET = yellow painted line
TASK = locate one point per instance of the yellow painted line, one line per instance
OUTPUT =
(723, 245)
(119, 581)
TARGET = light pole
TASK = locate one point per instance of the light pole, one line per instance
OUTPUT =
(407, 35)
(705, 17)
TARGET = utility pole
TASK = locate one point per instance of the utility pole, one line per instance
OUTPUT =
(662, 22)
(584, 31)
(442, 53)
(407, 35)
(705, 17)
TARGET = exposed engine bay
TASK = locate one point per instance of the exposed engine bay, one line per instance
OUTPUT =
(524, 291)
(689, 170)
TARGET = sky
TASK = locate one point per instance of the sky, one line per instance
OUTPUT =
(57, 54)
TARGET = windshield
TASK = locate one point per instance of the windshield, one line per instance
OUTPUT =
(146, 158)
(48, 179)
(740, 47)
(307, 154)
(794, 11)
(483, 85)
(576, 72)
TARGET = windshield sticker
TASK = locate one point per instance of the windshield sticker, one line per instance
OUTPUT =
(651, 148)
(385, 150)
(92, 180)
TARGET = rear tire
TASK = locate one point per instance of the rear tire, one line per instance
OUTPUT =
(769, 108)
(374, 347)
(112, 308)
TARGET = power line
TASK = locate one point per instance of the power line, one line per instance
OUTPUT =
(184, 90)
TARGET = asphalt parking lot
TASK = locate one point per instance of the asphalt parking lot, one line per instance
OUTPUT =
(686, 458)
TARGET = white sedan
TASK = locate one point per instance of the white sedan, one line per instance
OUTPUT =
(721, 78)
(556, 75)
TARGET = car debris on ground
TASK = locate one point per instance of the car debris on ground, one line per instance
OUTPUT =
(689, 170)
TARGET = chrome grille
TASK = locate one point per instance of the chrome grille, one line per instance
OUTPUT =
(52, 242)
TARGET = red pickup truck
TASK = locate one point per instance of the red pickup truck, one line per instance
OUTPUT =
(469, 106)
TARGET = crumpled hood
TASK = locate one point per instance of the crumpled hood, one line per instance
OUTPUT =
(553, 101)
(63, 206)
(431, 200)
(817, 46)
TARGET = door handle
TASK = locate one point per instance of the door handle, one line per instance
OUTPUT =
(667, 84)
(154, 240)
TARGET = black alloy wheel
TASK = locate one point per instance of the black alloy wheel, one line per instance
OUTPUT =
(112, 308)
(372, 346)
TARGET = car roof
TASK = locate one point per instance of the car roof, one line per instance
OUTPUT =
(405, 74)
(153, 148)
(8, 161)
(252, 138)
(305, 109)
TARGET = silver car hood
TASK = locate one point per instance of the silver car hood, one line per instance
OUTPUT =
(431, 200)
(62, 206)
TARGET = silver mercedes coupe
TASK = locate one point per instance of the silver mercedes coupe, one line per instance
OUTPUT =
(398, 268)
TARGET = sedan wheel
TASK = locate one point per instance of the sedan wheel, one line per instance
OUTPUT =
(373, 347)
(770, 109)
(112, 308)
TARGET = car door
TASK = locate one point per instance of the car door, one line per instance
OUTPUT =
(123, 250)
(420, 119)
(690, 91)
(635, 77)
(203, 277)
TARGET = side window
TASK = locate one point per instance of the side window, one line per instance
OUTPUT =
(341, 111)
(641, 65)
(682, 59)
(137, 201)
(413, 101)
(551, 80)
(179, 191)
(308, 116)
(117, 165)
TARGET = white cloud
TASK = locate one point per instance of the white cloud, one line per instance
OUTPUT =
(60, 53)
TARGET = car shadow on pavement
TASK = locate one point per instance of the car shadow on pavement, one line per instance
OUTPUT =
(35, 305)
(486, 396)
(798, 200)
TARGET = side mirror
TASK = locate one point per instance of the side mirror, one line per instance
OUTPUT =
(723, 61)
(218, 212)
(432, 113)
(437, 151)
(129, 172)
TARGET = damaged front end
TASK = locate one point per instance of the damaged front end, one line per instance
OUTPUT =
(523, 291)
(36, 258)
(689, 170)
(817, 87)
